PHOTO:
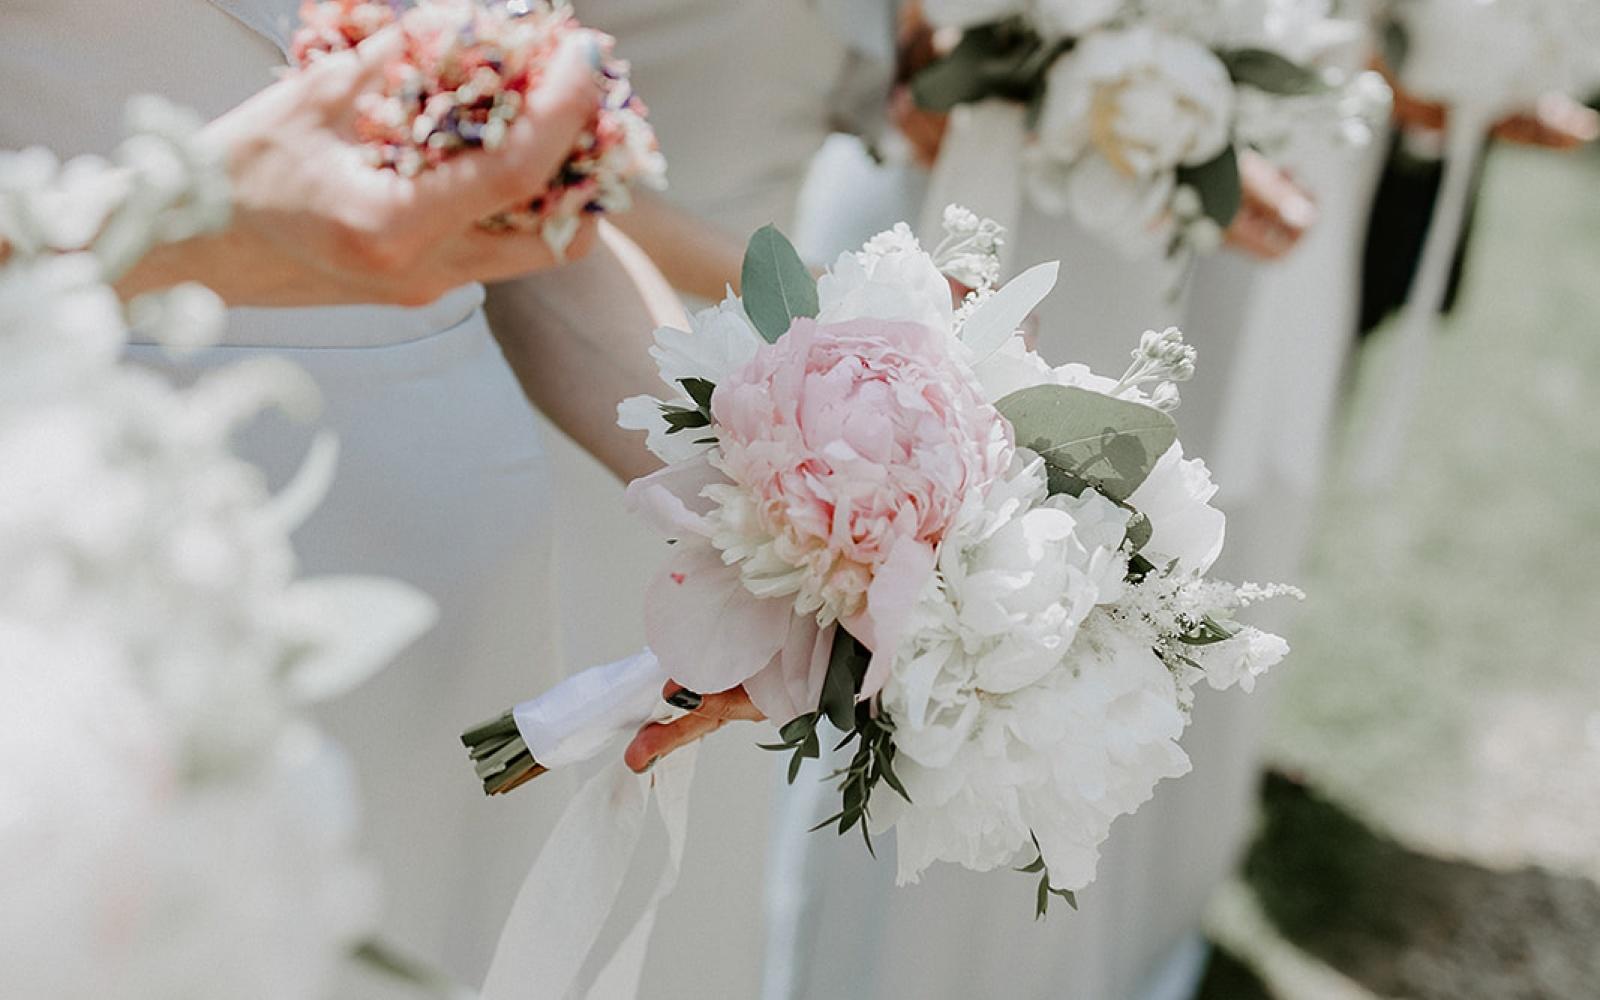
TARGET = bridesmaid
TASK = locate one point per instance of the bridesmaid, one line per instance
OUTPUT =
(442, 480)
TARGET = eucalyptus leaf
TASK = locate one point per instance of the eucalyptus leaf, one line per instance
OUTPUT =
(775, 285)
(1217, 182)
(994, 321)
(1271, 72)
(1088, 438)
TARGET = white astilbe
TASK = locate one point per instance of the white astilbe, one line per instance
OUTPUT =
(176, 827)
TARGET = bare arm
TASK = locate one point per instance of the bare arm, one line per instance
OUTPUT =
(695, 256)
(578, 338)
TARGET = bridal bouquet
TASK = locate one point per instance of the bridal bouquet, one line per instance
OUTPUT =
(466, 67)
(174, 825)
(890, 515)
(1500, 56)
(1134, 110)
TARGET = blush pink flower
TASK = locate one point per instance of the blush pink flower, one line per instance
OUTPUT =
(851, 447)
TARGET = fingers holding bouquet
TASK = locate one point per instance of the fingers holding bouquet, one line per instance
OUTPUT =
(704, 715)
(415, 148)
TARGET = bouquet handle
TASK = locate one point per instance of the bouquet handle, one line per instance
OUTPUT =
(980, 167)
(568, 895)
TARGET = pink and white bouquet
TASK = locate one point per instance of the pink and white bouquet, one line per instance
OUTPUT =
(465, 69)
(890, 515)
(1129, 115)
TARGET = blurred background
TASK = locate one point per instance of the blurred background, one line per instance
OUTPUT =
(1430, 823)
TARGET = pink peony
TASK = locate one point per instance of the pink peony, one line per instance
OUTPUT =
(852, 447)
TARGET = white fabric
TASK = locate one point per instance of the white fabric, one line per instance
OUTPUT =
(441, 479)
(569, 894)
(574, 720)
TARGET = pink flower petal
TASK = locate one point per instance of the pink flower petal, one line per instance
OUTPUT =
(669, 499)
(791, 684)
(893, 595)
(710, 633)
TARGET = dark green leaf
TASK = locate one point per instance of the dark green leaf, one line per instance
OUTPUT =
(1217, 183)
(1089, 439)
(1208, 631)
(775, 284)
(700, 391)
(1006, 60)
(847, 667)
(1272, 73)
(681, 419)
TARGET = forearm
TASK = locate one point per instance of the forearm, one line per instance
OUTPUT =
(695, 256)
(578, 339)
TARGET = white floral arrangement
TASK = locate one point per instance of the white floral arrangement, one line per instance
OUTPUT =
(175, 826)
(889, 515)
(1495, 57)
(1137, 109)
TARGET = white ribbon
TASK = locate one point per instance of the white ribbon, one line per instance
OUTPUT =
(1384, 444)
(568, 895)
(980, 167)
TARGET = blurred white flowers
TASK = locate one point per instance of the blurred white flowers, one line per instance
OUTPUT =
(173, 827)
(1123, 111)
(1495, 57)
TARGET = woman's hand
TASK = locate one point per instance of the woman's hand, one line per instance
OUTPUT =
(1556, 121)
(707, 714)
(314, 224)
(1275, 211)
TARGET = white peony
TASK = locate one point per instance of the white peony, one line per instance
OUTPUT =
(1057, 761)
(719, 341)
(1122, 111)
(1184, 527)
(892, 279)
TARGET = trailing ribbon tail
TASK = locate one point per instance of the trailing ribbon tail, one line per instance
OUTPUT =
(568, 895)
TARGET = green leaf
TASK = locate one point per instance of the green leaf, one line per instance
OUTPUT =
(775, 284)
(700, 391)
(1209, 631)
(1088, 438)
(680, 419)
(1271, 72)
(1217, 183)
(1007, 60)
(847, 667)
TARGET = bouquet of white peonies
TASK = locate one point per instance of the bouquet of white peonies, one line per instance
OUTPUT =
(1128, 115)
(175, 826)
(891, 519)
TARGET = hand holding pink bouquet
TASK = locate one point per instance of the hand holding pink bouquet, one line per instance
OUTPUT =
(889, 515)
